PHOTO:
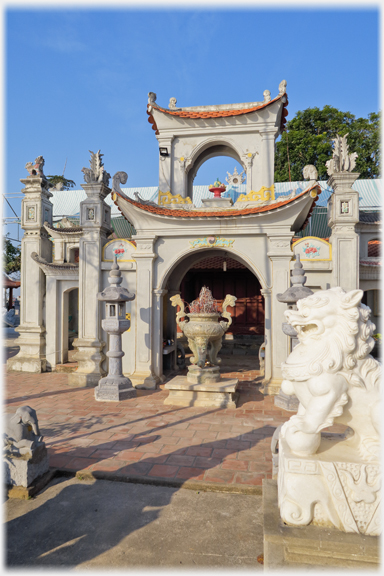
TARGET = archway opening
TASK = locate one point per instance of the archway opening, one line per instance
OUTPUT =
(217, 161)
(70, 324)
(223, 273)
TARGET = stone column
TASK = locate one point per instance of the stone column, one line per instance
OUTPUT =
(36, 208)
(343, 215)
(280, 254)
(157, 342)
(95, 219)
(166, 165)
(266, 292)
(266, 167)
(144, 375)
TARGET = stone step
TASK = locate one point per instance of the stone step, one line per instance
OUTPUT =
(67, 367)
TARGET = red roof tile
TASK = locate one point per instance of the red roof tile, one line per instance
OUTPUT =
(204, 114)
(216, 214)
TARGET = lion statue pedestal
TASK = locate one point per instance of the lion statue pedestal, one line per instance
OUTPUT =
(330, 479)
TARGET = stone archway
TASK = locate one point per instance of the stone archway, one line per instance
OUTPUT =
(173, 284)
(208, 150)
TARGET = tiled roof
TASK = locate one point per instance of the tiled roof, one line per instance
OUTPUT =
(205, 114)
(217, 214)
(374, 248)
(370, 262)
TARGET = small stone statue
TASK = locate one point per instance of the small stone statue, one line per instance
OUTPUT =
(36, 169)
(267, 96)
(25, 456)
(341, 161)
(151, 98)
(22, 433)
(310, 173)
(172, 102)
(282, 87)
(96, 173)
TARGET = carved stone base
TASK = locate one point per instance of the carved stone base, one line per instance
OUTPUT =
(289, 403)
(89, 357)
(197, 375)
(271, 387)
(311, 546)
(22, 470)
(332, 488)
(144, 380)
(30, 357)
(220, 394)
(114, 389)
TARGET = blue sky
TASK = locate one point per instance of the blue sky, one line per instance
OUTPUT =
(78, 79)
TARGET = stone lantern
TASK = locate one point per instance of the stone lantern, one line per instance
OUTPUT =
(290, 297)
(115, 386)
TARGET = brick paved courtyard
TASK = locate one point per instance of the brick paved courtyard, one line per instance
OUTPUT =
(143, 438)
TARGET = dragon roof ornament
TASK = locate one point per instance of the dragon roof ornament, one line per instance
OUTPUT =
(96, 173)
(341, 160)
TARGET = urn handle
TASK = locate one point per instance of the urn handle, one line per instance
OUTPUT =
(228, 301)
(177, 301)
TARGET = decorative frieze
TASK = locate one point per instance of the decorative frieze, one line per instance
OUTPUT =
(263, 195)
(211, 242)
(166, 199)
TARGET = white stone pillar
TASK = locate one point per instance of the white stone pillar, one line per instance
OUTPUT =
(157, 342)
(266, 292)
(36, 208)
(280, 254)
(343, 215)
(267, 166)
(166, 165)
(95, 219)
(144, 375)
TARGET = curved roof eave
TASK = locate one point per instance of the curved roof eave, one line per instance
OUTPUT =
(204, 115)
(128, 207)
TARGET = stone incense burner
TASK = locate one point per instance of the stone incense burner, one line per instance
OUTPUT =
(204, 332)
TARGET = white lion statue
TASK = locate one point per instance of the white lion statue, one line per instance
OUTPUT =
(332, 373)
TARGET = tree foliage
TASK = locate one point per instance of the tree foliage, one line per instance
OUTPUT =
(309, 135)
(11, 256)
(56, 179)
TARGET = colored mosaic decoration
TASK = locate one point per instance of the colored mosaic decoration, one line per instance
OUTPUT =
(263, 195)
(120, 248)
(310, 251)
(167, 198)
(31, 213)
(312, 248)
(211, 242)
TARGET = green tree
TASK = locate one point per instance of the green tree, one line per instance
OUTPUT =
(11, 256)
(309, 136)
(56, 179)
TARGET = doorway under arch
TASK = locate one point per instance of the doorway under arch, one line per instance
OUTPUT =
(223, 273)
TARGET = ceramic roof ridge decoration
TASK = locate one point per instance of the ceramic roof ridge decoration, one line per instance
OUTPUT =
(229, 212)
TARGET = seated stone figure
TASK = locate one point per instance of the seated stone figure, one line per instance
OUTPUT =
(22, 434)
(332, 373)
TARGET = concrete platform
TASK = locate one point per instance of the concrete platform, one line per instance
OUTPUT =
(312, 546)
(97, 525)
(221, 394)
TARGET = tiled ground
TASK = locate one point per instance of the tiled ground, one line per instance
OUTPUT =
(141, 437)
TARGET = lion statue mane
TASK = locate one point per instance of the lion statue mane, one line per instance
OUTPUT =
(332, 373)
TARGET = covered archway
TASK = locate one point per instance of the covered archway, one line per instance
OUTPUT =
(223, 272)
(208, 151)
